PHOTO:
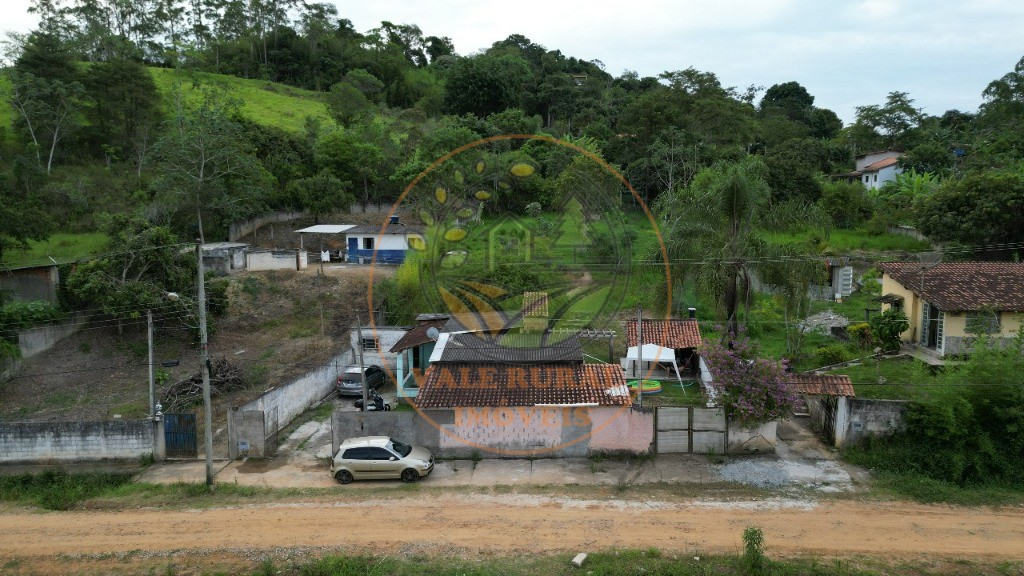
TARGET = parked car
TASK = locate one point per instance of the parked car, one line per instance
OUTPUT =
(350, 384)
(380, 457)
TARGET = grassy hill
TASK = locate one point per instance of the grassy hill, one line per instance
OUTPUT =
(263, 102)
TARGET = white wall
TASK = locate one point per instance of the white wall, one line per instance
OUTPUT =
(75, 441)
(385, 242)
(387, 336)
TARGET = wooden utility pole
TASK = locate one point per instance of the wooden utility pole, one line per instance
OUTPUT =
(205, 359)
(362, 369)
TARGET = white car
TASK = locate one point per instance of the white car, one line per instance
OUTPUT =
(380, 457)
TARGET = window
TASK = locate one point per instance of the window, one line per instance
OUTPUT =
(368, 243)
(983, 323)
(356, 454)
(379, 454)
(876, 178)
(371, 344)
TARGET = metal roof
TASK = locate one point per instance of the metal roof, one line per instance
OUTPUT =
(508, 349)
(327, 229)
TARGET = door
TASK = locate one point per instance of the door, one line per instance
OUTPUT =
(180, 435)
(384, 463)
(353, 249)
(358, 460)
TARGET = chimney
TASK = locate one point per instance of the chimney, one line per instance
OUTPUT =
(693, 312)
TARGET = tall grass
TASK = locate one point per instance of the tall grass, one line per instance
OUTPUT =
(61, 246)
(57, 489)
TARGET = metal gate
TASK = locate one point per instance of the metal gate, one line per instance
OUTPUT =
(180, 435)
(829, 405)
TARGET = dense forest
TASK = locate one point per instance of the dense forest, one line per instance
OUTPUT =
(87, 130)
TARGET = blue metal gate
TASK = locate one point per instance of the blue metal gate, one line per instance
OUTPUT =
(180, 435)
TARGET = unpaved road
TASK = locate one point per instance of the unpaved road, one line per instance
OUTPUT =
(513, 524)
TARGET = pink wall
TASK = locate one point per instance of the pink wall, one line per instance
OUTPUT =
(617, 430)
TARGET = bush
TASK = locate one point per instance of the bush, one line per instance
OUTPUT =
(888, 326)
(861, 335)
(18, 315)
(831, 354)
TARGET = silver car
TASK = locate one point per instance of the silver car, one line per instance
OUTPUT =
(380, 457)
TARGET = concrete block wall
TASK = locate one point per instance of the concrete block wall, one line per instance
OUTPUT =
(75, 441)
(283, 404)
(757, 440)
(620, 431)
(258, 260)
(870, 417)
(32, 341)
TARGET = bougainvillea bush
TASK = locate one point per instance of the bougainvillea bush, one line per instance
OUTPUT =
(752, 390)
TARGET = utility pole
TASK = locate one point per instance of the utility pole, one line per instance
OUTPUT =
(204, 352)
(152, 380)
(362, 369)
(640, 355)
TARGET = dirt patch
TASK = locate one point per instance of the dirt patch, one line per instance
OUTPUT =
(279, 325)
(507, 525)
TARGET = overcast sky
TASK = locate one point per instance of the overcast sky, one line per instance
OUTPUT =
(846, 53)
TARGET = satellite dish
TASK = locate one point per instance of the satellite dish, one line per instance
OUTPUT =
(433, 333)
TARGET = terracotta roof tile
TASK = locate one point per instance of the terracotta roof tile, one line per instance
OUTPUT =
(671, 333)
(883, 163)
(535, 304)
(464, 385)
(963, 286)
(418, 334)
(823, 384)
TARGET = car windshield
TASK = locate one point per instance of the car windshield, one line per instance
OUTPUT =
(403, 449)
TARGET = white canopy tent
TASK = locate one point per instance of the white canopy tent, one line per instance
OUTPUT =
(649, 353)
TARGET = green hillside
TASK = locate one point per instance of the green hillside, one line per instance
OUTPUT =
(263, 102)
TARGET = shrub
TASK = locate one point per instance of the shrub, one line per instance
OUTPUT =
(752, 390)
(753, 550)
(831, 354)
(888, 326)
(17, 315)
(861, 335)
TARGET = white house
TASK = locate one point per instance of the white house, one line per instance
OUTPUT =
(878, 168)
(381, 244)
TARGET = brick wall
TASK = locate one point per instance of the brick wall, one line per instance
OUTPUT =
(75, 441)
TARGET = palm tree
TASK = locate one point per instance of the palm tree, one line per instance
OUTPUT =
(712, 235)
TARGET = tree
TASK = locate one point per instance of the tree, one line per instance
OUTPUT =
(887, 328)
(482, 85)
(351, 159)
(143, 262)
(205, 164)
(125, 106)
(347, 104)
(711, 235)
(982, 209)
(321, 194)
(752, 390)
(24, 216)
(894, 120)
(789, 99)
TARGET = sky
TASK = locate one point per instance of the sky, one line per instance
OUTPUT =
(846, 53)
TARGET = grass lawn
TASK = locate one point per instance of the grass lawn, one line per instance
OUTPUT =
(844, 241)
(61, 247)
(673, 394)
(904, 379)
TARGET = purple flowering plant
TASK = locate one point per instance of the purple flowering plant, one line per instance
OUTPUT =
(752, 390)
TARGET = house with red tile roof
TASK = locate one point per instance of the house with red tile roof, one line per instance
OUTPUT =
(950, 304)
(874, 169)
(681, 336)
(523, 394)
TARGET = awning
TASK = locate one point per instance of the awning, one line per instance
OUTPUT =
(327, 229)
(889, 299)
(652, 353)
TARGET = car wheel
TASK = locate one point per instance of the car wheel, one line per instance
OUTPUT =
(343, 476)
(410, 475)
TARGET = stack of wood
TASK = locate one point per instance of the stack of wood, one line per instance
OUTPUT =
(183, 394)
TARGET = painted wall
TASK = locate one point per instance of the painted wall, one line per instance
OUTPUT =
(245, 227)
(868, 417)
(283, 404)
(387, 337)
(75, 441)
(509, 432)
(275, 260)
(869, 159)
(614, 430)
(757, 440)
(911, 306)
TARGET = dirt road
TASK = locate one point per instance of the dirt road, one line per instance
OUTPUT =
(512, 524)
